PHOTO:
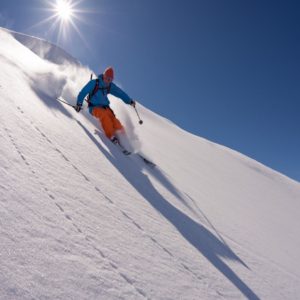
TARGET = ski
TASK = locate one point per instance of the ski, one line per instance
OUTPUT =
(122, 148)
(146, 161)
(127, 153)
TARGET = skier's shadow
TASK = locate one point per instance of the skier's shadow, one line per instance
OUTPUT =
(212, 248)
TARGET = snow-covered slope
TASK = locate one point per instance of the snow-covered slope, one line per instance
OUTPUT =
(79, 220)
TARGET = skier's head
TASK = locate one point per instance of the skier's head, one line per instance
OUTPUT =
(108, 75)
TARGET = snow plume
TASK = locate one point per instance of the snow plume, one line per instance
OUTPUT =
(80, 220)
(48, 79)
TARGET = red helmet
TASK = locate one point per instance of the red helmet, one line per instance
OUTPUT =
(109, 72)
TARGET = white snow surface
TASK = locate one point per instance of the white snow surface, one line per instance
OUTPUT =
(79, 220)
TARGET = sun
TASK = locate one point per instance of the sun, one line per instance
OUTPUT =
(64, 10)
(63, 20)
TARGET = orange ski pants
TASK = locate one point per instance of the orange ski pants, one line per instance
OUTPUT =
(108, 120)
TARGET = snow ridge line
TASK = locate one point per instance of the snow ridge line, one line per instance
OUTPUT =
(142, 231)
(62, 210)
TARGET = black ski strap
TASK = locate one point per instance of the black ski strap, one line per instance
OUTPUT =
(96, 88)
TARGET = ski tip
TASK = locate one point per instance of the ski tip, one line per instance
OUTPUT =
(147, 161)
(126, 152)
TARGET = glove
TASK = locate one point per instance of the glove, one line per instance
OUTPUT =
(77, 108)
(133, 103)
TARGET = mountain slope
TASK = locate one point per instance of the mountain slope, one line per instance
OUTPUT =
(79, 220)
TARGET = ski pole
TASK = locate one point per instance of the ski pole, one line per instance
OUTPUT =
(140, 121)
(58, 99)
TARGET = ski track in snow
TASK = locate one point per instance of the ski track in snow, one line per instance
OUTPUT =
(89, 241)
(180, 264)
(139, 227)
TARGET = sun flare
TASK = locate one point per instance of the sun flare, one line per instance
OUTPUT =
(64, 10)
(63, 20)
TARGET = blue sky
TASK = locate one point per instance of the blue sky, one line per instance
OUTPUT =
(228, 71)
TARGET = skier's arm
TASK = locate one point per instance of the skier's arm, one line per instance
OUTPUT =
(118, 92)
(88, 88)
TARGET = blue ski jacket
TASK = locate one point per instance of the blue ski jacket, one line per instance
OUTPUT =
(100, 99)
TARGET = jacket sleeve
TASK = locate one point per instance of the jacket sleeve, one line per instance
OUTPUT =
(118, 92)
(88, 88)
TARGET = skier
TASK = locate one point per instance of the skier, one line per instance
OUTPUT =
(98, 102)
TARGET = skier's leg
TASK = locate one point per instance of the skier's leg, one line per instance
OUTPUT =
(116, 122)
(105, 120)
